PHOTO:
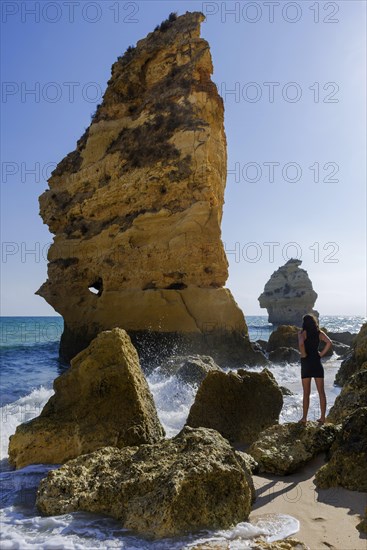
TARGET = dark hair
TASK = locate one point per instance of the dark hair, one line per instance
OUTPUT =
(310, 324)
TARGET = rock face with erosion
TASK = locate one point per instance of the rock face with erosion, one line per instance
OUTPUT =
(193, 481)
(284, 355)
(347, 466)
(352, 397)
(285, 448)
(284, 336)
(102, 399)
(238, 405)
(136, 209)
(288, 295)
(356, 359)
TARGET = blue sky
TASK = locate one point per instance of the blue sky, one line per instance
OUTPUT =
(292, 75)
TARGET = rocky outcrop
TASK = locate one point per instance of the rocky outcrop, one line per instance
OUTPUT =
(193, 481)
(136, 209)
(191, 369)
(102, 399)
(347, 466)
(342, 350)
(353, 363)
(283, 449)
(362, 525)
(239, 405)
(285, 336)
(352, 397)
(288, 295)
(284, 355)
(347, 338)
(260, 344)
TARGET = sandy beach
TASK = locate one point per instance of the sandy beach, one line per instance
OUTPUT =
(328, 517)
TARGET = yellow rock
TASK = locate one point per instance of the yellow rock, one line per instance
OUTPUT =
(192, 482)
(136, 208)
(102, 399)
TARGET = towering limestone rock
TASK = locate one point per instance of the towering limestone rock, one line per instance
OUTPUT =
(288, 295)
(136, 208)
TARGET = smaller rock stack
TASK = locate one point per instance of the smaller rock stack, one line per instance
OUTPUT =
(288, 295)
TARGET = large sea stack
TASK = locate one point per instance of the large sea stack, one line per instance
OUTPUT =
(288, 295)
(136, 209)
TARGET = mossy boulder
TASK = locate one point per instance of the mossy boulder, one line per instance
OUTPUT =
(353, 363)
(347, 466)
(285, 448)
(284, 355)
(239, 405)
(285, 336)
(352, 397)
(347, 338)
(191, 482)
(102, 399)
(362, 526)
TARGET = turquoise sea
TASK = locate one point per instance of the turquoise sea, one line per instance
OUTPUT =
(30, 363)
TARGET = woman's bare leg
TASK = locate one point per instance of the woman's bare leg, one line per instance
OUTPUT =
(322, 396)
(306, 385)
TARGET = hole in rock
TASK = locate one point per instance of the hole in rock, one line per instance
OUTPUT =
(176, 286)
(96, 287)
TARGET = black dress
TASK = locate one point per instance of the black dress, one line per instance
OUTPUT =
(311, 366)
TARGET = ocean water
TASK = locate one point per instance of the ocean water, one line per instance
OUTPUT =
(29, 364)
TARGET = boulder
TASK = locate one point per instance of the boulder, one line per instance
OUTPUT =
(347, 338)
(285, 448)
(362, 526)
(285, 336)
(191, 368)
(288, 295)
(261, 344)
(351, 398)
(284, 355)
(340, 349)
(193, 481)
(249, 463)
(136, 209)
(239, 405)
(286, 391)
(102, 399)
(355, 360)
(346, 370)
(347, 466)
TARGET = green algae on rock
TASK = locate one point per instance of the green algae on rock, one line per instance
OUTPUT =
(356, 359)
(347, 466)
(283, 449)
(193, 481)
(102, 399)
(352, 397)
(237, 404)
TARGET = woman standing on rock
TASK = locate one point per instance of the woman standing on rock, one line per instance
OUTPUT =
(308, 342)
